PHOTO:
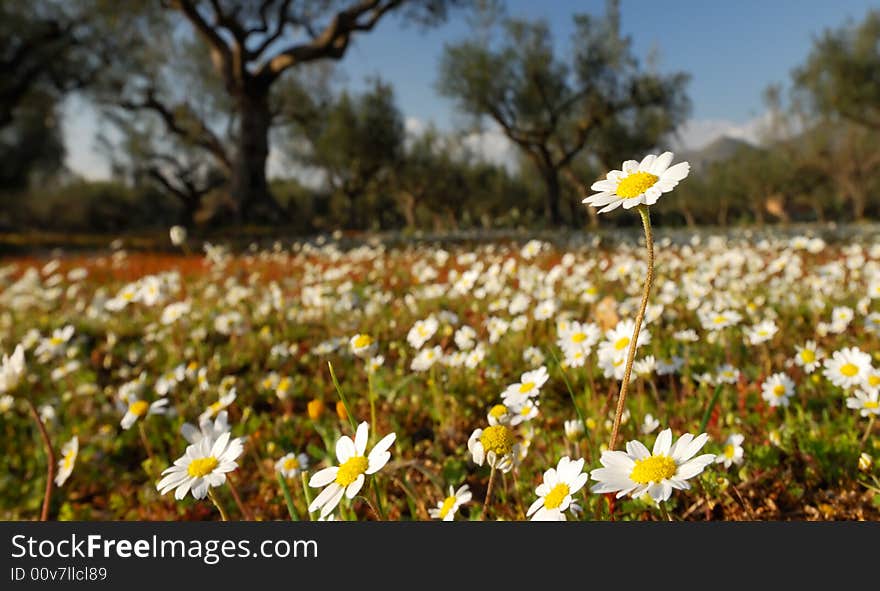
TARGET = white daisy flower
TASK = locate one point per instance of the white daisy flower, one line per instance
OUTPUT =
(808, 356)
(348, 478)
(362, 345)
(290, 465)
(206, 429)
(421, 331)
(447, 508)
(649, 424)
(638, 182)
(867, 403)
(777, 389)
(137, 409)
(12, 370)
(494, 445)
(732, 452)
(203, 465)
(848, 367)
(574, 429)
(528, 386)
(637, 471)
(69, 452)
(223, 402)
(556, 490)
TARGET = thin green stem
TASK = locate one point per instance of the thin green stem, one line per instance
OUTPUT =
(308, 496)
(664, 511)
(633, 345)
(342, 397)
(708, 414)
(867, 434)
(213, 496)
(291, 508)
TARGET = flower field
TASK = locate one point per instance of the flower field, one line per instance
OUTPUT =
(470, 382)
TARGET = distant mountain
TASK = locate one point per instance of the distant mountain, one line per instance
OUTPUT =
(720, 149)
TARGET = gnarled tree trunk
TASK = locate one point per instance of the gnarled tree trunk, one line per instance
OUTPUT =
(249, 188)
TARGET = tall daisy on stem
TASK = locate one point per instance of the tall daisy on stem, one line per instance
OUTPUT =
(638, 184)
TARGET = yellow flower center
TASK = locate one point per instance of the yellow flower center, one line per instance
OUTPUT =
(555, 497)
(362, 341)
(872, 405)
(525, 410)
(448, 503)
(779, 390)
(351, 469)
(56, 341)
(138, 408)
(68, 459)
(808, 356)
(216, 407)
(578, 337)
(498, 439)
(653, 469)
(498, 411)
(527, 387)
(636, 184)
(849, 369)
(621, 343)
(202, 466)
(719, 319)
(284, 384)
(729, 450)
(291, 463)
(874, 380)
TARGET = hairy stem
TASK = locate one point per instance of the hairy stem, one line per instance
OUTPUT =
(50, 455)
(649, 281)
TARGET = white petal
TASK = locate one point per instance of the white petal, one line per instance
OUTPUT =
(663, 443)
(677, 172)
(360, 438)
(661, 163)
(345, 449)
(355, 487)
(323, 477)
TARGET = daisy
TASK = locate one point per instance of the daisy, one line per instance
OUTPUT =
(206, 429)
(141, 408)
(12, 370)
(447, 508)
(761, 332)
(362, 345)
(494, 445)
(203, 465)
(777, 389)
(574, 429)
(421, 331)
(426, 358)
(638, 183)
(556, 490)
(732, 452)
(68, 458)
(349, 476)
(292, 464)
(213, 409)
(848, 367)
(528, 386)
(618, 340)
(865, 402)
(650, 424)
(727, 374)
(637, 471)
(808, 356)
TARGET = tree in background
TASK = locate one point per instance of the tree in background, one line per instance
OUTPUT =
(46, 51)
(555, 109)
(250, 45)
(356, 142)
(840, 86)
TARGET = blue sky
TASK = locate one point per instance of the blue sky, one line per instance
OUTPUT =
(733, 51)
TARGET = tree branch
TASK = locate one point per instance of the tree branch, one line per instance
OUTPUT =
(333, 41)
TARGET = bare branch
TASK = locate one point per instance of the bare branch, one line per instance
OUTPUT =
(333, 41)
(203, 136)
